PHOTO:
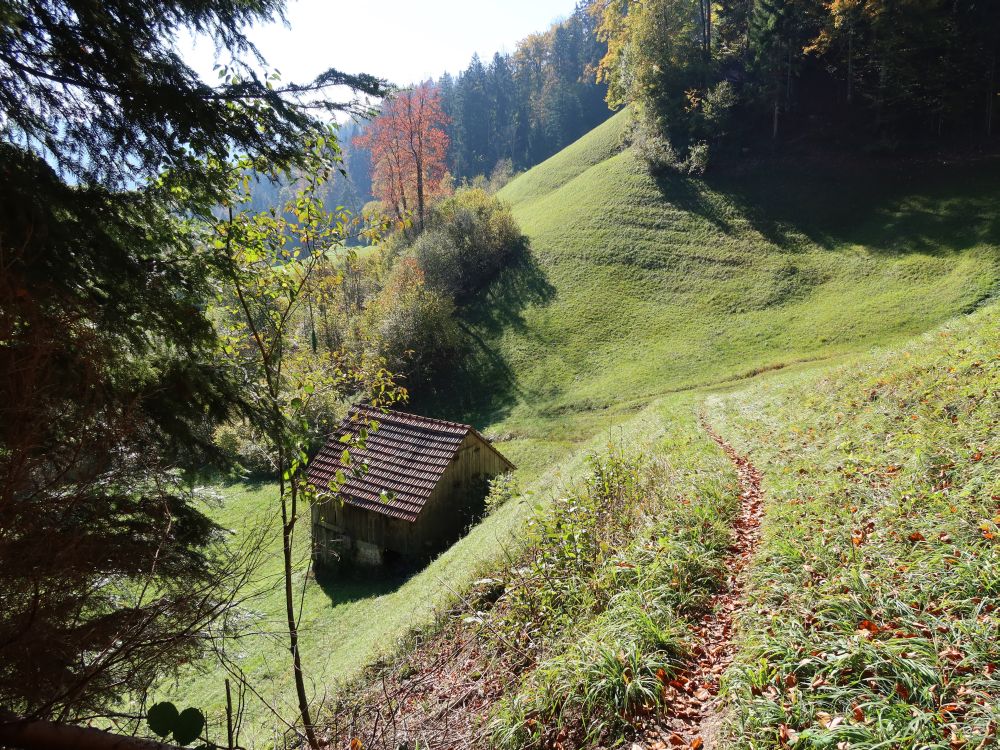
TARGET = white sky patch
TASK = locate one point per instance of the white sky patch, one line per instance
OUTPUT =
(404, 41)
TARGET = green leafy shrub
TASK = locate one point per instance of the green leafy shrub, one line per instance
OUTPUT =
(185, 726)
(502, 489)
(244, 449)
(411, 326)
(469, 238)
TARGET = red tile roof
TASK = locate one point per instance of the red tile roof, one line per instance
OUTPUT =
(405, 458)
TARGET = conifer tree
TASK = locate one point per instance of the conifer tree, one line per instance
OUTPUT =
(110, 375)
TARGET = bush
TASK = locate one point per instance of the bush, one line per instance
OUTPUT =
(503, 489)
(717, 109)
(244, 449)
(469, 238)
(502, 173)
(411, 326)
(655, 149)
(697, 160)
(652, 146)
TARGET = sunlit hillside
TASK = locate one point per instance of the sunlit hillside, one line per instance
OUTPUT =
(635, 288)
(639, 286)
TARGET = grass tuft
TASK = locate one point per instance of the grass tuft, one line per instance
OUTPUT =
(614, 575)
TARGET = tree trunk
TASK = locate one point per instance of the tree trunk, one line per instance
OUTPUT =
(850, 67)
(230, 739)
(287, 536)
(402, 191)
(774, 125)
(50, 735)
(420, 190)
(788, 81)
(708, 16)
(704, 27)
(990, 96)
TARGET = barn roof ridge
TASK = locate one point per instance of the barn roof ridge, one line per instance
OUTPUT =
(377, 413)
(406, 457)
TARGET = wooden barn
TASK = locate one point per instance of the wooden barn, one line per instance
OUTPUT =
(424, 481)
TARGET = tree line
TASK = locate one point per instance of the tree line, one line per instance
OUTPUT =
(178, 296)
(144, 304)
(505, 115)
(350, 188)
(489, 121)
(527, 105)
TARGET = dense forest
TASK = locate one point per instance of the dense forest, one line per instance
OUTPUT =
(867, 74)
(350, 188)
(728, 79)
(525, 106)
(514, 111)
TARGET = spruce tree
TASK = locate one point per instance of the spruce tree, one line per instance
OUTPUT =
(110, 374)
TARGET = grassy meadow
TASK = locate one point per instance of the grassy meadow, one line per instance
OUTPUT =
(638, 286)
(640, 298)
(872, 613)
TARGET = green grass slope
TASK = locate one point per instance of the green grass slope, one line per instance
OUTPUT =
(347, 621)
(639, 286)
(600, 144)
(635, 288)
(872, 617)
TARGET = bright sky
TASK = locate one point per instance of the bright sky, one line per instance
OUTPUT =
(404, 41)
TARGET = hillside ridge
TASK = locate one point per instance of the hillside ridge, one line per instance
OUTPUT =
(638, 295)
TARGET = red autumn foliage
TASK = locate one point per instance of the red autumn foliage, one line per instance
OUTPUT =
(409, 146)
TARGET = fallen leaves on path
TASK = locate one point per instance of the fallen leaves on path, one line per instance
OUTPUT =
(693, 715)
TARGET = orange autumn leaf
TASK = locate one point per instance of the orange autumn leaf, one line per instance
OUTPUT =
(870, 626)
(951, 654)
(787, 735)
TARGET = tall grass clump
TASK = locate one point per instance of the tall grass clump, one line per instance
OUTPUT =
(598, 608)
(874, 620)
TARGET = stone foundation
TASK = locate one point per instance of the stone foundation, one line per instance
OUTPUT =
(331, 547)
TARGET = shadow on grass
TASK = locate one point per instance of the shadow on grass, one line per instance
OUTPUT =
(480, 387)
(352, 583)
(890, 208)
